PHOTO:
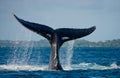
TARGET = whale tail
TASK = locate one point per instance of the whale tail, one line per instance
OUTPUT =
(65, 34)
(56, 37)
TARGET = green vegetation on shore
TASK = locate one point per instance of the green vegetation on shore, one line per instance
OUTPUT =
(45, 43)
(107, 43)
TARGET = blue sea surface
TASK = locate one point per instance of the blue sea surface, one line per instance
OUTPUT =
(85, 62)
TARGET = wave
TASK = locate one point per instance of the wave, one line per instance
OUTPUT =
(23, 67)
(81, 66)
(86, 66)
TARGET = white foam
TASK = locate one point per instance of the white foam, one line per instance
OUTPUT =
(67, 68)
(95, 66)
(81, 66)
(22, 67)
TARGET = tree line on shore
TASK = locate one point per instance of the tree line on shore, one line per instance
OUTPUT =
(45, 43)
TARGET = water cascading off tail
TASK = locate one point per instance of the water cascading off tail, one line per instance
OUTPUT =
(69, 54)
(21, 55)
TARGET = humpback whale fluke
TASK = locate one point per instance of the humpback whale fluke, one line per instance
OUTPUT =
(56, 38)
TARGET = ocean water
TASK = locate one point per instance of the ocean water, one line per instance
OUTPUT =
(78, 62)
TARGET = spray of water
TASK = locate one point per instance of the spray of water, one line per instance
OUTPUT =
(26, 54)
(69, 53)
(12, 56)
(21, 55)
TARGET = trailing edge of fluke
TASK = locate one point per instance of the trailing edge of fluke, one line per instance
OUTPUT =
(56, 38)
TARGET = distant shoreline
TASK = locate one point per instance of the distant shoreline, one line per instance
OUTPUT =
(45, 43)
